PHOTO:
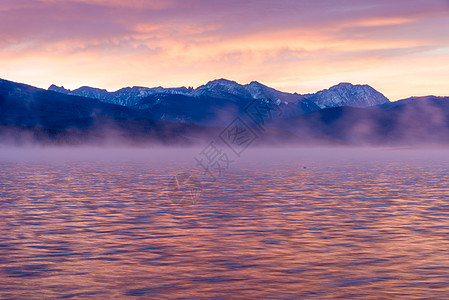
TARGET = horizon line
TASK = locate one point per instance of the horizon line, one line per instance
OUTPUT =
(229, 80)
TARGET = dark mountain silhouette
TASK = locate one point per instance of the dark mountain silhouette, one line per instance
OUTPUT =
(31, 114)
(187, 116)
(419, 120)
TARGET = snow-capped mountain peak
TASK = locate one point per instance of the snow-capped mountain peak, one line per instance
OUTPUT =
(347, 94)
(343, 94)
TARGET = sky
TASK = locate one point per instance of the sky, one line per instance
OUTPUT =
(401, 48)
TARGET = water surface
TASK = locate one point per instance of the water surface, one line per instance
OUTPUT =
(296, 224)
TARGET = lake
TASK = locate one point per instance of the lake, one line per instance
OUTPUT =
(304, 223)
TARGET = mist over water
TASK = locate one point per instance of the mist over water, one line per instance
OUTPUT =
(325, 223)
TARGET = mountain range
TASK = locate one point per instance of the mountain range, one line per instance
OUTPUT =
(342, 114)
(209, 103)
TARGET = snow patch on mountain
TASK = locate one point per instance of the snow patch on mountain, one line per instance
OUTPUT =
(128, 96)
(347, 94)
(343, 94)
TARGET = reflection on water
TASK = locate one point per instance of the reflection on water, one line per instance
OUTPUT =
(287, 229)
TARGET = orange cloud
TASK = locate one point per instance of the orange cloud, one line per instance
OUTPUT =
(297, 46)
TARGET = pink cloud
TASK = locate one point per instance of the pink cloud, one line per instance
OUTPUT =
(172, 41)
